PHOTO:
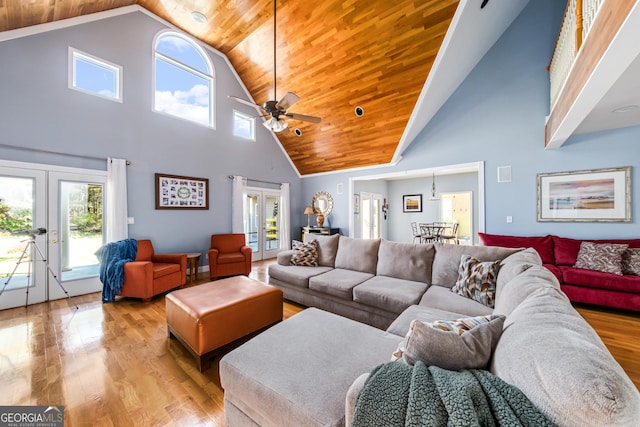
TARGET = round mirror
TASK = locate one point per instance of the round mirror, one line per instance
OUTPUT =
(322, 202)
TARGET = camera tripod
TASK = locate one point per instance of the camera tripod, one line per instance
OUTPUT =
(31, 244)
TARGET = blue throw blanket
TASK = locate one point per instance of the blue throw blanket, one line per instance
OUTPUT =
(397, 394)
(112, 258)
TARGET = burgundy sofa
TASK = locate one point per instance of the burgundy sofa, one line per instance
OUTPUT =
(559, 255)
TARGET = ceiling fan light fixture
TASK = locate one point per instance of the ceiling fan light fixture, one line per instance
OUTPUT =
(276, 125)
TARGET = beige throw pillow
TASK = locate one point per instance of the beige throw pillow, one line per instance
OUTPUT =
(453, 344)
(305, 253)
(605, 257)
(477, 280)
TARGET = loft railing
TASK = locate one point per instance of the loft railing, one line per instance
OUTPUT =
(576, 23)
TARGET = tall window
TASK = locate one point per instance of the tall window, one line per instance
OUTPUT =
(183, 79)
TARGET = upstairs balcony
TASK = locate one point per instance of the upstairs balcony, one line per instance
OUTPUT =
(595, 70)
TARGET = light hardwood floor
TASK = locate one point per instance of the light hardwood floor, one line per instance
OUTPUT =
(112, 364)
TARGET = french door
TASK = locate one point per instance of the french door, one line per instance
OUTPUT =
(51, 225)
(370, 208)
(262, 222)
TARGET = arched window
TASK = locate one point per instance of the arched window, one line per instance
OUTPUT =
(183, 77)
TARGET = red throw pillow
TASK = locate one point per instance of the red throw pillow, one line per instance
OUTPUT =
(542, 244)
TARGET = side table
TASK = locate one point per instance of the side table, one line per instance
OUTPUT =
(193, 261)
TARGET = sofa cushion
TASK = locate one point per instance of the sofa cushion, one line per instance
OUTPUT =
(600, 280)
(457, 344)
(389, 293)
(400, 326)
(549, 352)
(605, 257)
(327, 249)
(515, 264)
(358, 254)
(443, 299)
(631, 261)
(405, 261)
(294, 274)
(517, 289)
(566, 250)
(305, 253)
(338, 282)
(477, 280)
(447, 260)
(542, 244)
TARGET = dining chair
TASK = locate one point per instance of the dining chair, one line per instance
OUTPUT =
(427, 232)
(416, 232)
(451, 235)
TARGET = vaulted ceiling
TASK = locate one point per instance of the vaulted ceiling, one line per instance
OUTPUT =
(335, 54)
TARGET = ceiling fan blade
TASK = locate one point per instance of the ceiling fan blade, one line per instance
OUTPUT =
(287, 101)
(304, 118)
(242, 101)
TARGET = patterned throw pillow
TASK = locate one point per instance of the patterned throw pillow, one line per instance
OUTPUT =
(451, 344)
(305, 253)
(631, 261)
(477, 280)
(605, 257)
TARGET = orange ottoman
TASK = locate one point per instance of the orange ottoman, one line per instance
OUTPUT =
(206, 317)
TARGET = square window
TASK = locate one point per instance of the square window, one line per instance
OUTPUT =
(243, 126)
(94, 76)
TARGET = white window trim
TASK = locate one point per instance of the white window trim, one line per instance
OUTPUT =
(211, 78)
(117, 69)
(253, 125)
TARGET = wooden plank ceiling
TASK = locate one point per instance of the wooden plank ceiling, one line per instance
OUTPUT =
(335, 54)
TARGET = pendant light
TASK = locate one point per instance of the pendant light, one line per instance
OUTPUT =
(433, 188)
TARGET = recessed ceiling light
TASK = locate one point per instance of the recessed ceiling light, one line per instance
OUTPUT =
(297, 131)
(199, 17)
(625, 109)
(359, 111)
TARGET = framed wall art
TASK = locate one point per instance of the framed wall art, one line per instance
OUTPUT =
(602, 195)
(181, 192)
(412, 203)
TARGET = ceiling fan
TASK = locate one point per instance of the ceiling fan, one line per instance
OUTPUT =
(278, 109)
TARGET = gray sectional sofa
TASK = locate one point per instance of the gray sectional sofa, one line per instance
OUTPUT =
(309, 369)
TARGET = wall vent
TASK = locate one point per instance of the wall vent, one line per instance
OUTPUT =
(504, 173)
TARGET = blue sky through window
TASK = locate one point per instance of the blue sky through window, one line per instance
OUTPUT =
(183, 85)
(94, 75)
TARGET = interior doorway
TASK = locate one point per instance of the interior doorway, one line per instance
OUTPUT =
(458, 207)
(370, 208)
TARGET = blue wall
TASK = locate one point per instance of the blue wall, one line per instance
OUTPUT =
(37, 110)
(497, 115)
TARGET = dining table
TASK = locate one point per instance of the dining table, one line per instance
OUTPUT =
(433, 231)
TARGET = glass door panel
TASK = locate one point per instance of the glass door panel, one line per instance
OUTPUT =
(271, 225)
(22, 210)
(252, 217)
(77, 231)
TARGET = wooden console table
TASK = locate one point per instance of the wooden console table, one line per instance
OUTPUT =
(310, 231)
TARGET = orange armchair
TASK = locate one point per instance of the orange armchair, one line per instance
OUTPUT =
(229, 256)
(152, 274)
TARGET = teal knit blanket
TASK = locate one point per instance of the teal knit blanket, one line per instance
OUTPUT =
(397, 394)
